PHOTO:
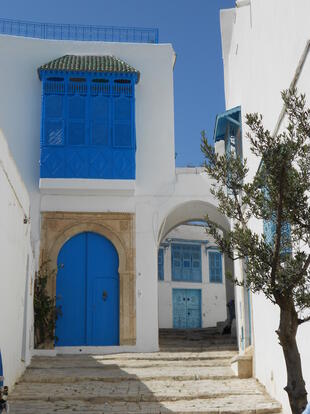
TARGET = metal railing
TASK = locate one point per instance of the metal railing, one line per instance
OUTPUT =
(77, 32)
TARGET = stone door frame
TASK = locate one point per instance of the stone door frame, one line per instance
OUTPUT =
(119, 228)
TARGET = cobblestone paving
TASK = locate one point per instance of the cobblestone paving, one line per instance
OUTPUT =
(162, 382)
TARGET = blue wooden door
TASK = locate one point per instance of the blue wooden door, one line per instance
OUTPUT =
(186, 308)
(179, 308)
(193, 308)
(88, 292)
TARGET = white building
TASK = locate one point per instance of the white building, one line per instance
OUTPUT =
(105, 197)
(265, 50)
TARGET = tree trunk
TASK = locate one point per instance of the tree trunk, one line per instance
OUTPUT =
(295, 388)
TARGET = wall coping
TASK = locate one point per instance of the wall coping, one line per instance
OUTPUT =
(86, 186)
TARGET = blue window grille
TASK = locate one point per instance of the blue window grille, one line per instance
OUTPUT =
(161, 264)
(186, 262)
(215, 267)
(88, 125)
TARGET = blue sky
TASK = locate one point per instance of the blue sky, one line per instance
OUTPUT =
(193, 28)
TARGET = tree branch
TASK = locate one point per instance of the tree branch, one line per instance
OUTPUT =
(276, 255)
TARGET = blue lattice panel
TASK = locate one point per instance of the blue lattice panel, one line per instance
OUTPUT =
(87, 162)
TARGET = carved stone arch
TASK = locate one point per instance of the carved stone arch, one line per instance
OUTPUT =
(98, 228)
(118, 228)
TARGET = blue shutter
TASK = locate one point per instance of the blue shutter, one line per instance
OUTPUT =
(76, 120)
(176, 262)
(122, 122)
(196, 263)
(269, 228)
(100, 120)
(161, 264)
(54, 120)
(215, 267)
(186, 262)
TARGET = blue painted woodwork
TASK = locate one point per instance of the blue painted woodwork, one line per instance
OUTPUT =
(88, 125)
(87, 290)
(186, 308)
(160, 264)
(215, 267)
(228, 127)
(1, 370)
(222, 122)
(59, 31)
(269, 229)
(186, 262)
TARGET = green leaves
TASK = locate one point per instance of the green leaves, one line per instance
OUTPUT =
(45, 311)
(279, 191)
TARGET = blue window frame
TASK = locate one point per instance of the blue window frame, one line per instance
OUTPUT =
(186, 262)
(215, 267)
(161, 264)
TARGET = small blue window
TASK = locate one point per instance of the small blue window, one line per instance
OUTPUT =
(186, 262)
(161, 264)
(269, 227)
(215, 267)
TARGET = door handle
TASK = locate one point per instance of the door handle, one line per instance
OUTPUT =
(104, 295)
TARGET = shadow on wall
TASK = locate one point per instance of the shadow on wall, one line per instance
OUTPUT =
(85, 383)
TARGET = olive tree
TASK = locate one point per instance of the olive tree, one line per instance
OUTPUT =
(277, 195)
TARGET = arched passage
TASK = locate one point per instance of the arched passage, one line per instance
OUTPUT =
(193, 291)
(190, 211)
(87, 292)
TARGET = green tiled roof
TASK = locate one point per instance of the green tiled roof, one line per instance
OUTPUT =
(88, 63)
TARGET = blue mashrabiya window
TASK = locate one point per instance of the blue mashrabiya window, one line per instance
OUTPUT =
(88, 118)
(186, 262)
(215, 267)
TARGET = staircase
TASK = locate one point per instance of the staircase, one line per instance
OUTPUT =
(192, 379)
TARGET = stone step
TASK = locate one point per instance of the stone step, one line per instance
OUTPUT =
(100, 392)
(236, 404)
(178, 382)
(79, 360)
(131, 363)
(116, 374)
(191, 348)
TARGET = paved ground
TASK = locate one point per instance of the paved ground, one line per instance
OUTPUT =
(188, 376)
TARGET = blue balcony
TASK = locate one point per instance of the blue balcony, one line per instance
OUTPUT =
(88, 118)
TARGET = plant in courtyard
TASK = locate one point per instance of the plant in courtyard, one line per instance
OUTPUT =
(45, 310)
(278, 194)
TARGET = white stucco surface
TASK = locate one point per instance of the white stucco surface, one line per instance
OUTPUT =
(263, 44)
(16, 276)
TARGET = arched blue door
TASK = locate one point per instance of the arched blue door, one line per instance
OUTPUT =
(87, 290)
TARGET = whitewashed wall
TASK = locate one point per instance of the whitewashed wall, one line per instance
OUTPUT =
(263, 44)
(16, 269)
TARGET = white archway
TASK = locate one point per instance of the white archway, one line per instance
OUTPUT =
(181, 211)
